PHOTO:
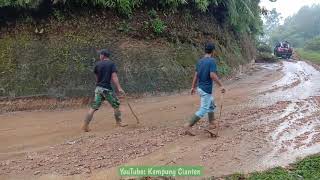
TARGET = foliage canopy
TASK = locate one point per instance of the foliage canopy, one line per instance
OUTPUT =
(300, 28)
(243, 15)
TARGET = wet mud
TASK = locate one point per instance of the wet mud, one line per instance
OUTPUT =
(270, 118)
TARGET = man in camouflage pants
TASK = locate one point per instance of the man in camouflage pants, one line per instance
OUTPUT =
(105, 71)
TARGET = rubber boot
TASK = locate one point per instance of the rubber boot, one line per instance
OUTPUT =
(194, 119)
(86, 122)
(211, 120)
(117, 116)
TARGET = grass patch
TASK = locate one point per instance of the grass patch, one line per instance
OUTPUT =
(309, 168)
(273, 174)
(306, 169)
(313, 56)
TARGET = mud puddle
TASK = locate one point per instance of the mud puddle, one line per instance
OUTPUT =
(294, 131)
(300, 81)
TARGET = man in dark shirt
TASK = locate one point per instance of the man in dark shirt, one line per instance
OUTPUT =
(206, 70)
(105, 71)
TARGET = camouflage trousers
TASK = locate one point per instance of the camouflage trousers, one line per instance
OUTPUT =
(102, 94)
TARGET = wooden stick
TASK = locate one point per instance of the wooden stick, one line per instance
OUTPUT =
(133, 113)
(221, 106)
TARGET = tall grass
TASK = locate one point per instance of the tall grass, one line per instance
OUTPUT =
(313, 56)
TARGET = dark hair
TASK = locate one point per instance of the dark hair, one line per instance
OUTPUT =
(105, 53)
(209, 47)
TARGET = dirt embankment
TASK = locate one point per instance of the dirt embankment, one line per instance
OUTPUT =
(59, 62)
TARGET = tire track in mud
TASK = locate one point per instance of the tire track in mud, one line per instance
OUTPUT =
(297, 134)
(299, 82)
(293, 131)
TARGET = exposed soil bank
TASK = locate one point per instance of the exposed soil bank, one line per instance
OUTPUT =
(59, 61)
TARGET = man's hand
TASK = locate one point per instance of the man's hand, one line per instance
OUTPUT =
(193, 91)
(194, 83)
(115, 81)
(223, 90)
(121, 91)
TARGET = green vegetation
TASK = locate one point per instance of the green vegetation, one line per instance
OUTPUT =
(313, 44)
(263, 47)
(158, 26)
(311, 50)
(150, 40)
(306, 169)
(313, 56)
(272, 22)
(273, 174)
(300, 28)
(243, 15)
(224, 69)
(264, 53)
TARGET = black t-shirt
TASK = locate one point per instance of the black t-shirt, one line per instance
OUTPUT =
(103, 70)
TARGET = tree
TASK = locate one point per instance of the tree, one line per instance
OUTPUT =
(242, 15)
(272, 21)
(300, 28)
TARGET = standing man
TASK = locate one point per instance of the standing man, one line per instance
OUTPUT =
(206, 72)
(105, 71)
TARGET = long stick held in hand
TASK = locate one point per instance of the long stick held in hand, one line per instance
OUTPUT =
(133, 113)
(221, 106)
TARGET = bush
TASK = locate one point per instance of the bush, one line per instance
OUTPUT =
(243, 15)
(313, 44)
(158, 26)
(264, 48)
(224, 69)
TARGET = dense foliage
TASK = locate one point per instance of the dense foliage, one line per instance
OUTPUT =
(243, 15)
(59, 39)
(311, 50)
(300, 28)
(313, 44)
(264, 53)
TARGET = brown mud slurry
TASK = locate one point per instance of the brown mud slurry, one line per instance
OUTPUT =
(270, 117)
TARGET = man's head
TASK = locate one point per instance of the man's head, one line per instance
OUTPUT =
(209, 48)
(104, 54)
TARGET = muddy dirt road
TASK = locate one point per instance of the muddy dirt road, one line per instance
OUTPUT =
(270, 117)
